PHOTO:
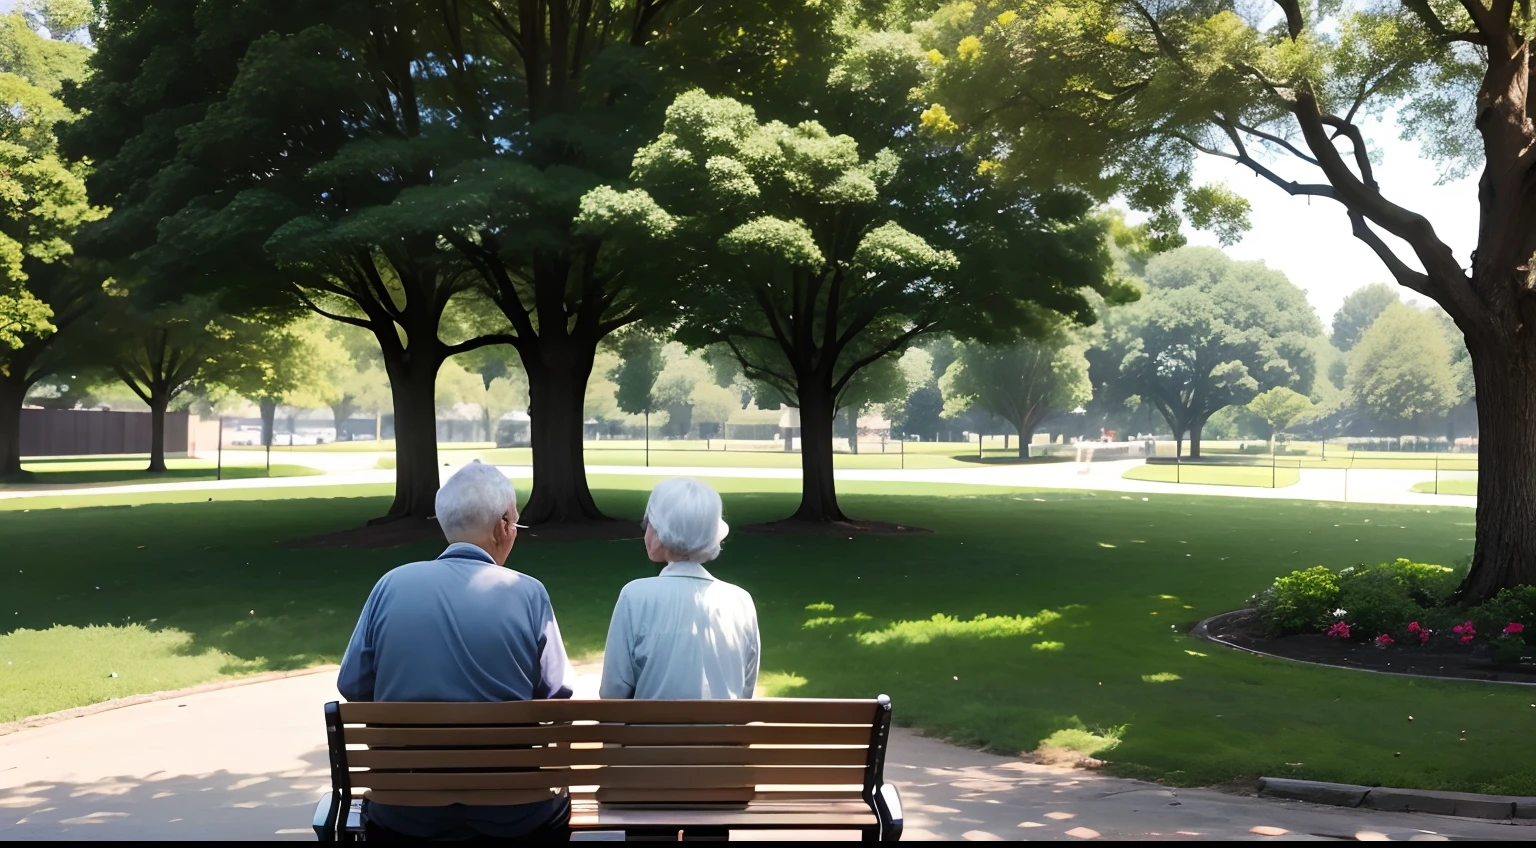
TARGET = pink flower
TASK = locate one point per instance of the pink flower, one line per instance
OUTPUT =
(1514, 628)
(1413, 627)
(1466, 631)
(1340, 630)
(1383, 640)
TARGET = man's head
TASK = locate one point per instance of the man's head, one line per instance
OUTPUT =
(478, 505)
(682, 522)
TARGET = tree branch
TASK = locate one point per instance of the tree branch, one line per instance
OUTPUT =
(345, 319)
(1405, 276)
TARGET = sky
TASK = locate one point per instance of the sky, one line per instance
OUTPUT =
(1313, 245)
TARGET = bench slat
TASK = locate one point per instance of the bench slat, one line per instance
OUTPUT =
(689, 756)
(583, 798)
(621, 734)
(619, 777)
(771, 710)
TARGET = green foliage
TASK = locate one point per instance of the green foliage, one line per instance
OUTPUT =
(640, 364)
(1280, 407)
(1400, 370)
(1021, 383)
(1211, 333)
(1376, 602)
(1360, 309)
(1509, 605)
(1428, 585)
(942, 626)
(1300, 602)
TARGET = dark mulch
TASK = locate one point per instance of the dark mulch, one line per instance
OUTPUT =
(1245, 630)
(792, 527)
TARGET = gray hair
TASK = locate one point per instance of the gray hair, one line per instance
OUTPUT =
(685, 513)
(473, 500)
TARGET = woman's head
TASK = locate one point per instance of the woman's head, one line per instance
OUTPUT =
(682, 522)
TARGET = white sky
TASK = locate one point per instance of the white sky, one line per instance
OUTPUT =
(1313, 245)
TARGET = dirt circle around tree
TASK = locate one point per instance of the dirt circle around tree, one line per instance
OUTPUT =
(1244, 631)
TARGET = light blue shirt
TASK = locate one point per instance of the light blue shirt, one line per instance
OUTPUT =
(683, 635)
(458, 628)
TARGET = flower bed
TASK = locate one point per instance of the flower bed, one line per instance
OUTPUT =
(1396, 616)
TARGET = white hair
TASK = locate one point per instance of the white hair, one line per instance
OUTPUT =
(473, 500)
(685, 513)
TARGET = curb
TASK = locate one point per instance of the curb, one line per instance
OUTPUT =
(1202, 631)
(1387, 799)
(46, 719)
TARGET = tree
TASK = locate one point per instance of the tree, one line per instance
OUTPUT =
(44, 294)
(288, 153)
(161, 351)
(1211, 333)
(640, 363)
(812, 259)
(1280, 407)
(1022, 383)
(1400, 370)
(1361, 307)
(1284, 90)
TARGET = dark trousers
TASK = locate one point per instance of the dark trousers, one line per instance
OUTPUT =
(557, 829)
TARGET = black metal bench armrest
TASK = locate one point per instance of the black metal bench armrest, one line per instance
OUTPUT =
(888, 808)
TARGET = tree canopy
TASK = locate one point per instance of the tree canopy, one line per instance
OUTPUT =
(1211, 333)
(1022, 383)
(1360, 308)
(1400, 370)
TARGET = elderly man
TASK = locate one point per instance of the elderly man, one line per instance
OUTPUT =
(462, 628)
(684, 634)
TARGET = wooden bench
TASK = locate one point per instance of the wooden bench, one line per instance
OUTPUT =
(634, 769)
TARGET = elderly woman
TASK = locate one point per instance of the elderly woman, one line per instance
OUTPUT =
(683, 634)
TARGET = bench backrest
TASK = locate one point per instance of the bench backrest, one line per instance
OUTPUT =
(651, 752)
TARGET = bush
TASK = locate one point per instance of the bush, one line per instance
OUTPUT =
(1428, 585)
(1377, 601)
(1509, 605)
(1301, 602)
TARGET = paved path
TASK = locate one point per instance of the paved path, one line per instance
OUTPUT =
(248, 762)
(1377, 486)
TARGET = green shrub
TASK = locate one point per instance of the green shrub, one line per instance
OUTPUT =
(1507, 649)
(1377, 601)
(1300, 602)
(1517, 604)
(1428, 585)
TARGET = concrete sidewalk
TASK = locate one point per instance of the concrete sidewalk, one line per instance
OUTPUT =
(248, 762)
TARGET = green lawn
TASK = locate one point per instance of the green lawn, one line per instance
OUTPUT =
(1448, 487)
(130, 469)
(1216, 475)
(670, 454)
(1086, 595)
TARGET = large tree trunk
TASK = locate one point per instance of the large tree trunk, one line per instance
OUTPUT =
(157, 407)
(818, 488)
(1194, 439)
(558, 370)
(1505, 552)
(853, 429)
(268, 417)
(13, 390)
(413, 383)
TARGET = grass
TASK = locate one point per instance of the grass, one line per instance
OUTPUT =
(119, 469)
(1027, 618)
(1458, 486)
(1216, 475)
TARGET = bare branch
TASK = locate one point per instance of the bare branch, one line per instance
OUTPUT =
(1362, 156)
(1275, 139)
(345, 319)
(477, 343)
(1405, 276)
